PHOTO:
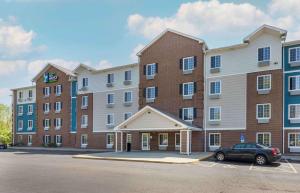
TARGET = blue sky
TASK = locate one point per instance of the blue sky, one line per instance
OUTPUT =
(106, 33)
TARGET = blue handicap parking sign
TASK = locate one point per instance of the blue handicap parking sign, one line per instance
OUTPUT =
(242, 138)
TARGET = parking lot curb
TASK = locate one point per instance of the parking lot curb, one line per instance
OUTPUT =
(206, 157)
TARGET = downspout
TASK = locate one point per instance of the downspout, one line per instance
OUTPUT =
(204, 98)
(283, 98)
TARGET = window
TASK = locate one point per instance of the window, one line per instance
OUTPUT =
(294, 140)
(177, 139)
(47, 139)
(294, 83)
(151, 69)
(58, 106)
(84, 139)
(214, 139)
(30, 125)
(109, 140)
(58, 139)
(264, 54)
(20, 110)
(263, 111)
(110, 119)
(30, 94)
(57, 123)
(150, 93)
(215, 62)
(128, 75)
(110, 78)
(214, 113)
(188, 88)
(30, 110)
(46, 124)
(294, 55)
(20, 95)
(163, 139)
(58, 90)
(215, 87)
(46, 107)
(188, 63)
(20, 125)
(263, 82)
(127, 115)
(188, 114)
(85, 82)
(84, 121)
(128, 97)
(110, 98)
(29, 140)
(264, 139)
(84, 101)
(46, 91)
(294, 111)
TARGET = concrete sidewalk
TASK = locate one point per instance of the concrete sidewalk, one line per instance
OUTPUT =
(295, 158)
(56, 149)
(153, 157)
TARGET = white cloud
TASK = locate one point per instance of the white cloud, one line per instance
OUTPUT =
(133, 55)
(103, 64)
(11, 66)
(4, 94)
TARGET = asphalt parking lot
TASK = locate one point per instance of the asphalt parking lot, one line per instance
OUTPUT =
(43, 172)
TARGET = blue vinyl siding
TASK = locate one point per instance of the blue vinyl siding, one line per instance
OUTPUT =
(25, 117)
(287, 67)
(74, 107)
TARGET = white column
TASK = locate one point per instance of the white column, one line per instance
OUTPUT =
(116, 141)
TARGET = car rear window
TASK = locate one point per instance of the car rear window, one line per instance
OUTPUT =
(239, 146)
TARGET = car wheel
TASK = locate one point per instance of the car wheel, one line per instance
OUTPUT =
(220, 156)
(261, 160)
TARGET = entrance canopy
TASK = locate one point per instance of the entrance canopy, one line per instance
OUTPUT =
(152, 119)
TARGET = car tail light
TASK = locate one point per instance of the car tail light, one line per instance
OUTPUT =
(274, 151)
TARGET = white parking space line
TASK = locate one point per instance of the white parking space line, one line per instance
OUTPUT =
(292, 167)
(251, 167)
(210, 165)
(282, 168)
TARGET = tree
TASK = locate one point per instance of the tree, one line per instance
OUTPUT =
(5, 124)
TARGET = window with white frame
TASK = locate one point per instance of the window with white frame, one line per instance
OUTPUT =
(30, 109)
(57, 106)
(110, 78)
(294, 140)
(215, 87)
(20, 110)
(188, 88)
(109, 140)
(264, 54)
(57, 123)
(85, 82)
(294, 55)
(127, 115)
(127, 96)
(215, 62)
(20, 125)
(58, 139)
(294, 83)
(47, 139)
(214, 113)
(128, 75)
(84, 139)
(46, 107)
(263, 138)
(46, 124)
(264, 82)
(20, 95)
(84, 101)
(110, 98)
(150, 69)
(294, 111)
(47, 91)
(29, 139)
(215, 139)
(84, 121)
(163, 139)
(150, 93)
(263, 111)
(30, 95)
(177, 139)
(188, 114)
(30, 125)
(58, 90)
(188, 63)
(110, 119)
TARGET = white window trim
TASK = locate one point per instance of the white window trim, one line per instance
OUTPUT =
(56, 141)
(214, 81)
(20, 128)
(87, 122)
(220, 113)
(187, 83)
(269, 113)
(130, 97)
(46, 127)
(47, 137)
(265, 75)
(293, 133)
(289, 82)
(113, 119)
(58, 93)
(127, 113)
(290, 55)
(190, 57)
(29, 128)
(220, 62)
(187, 108)
(29, 142)
(130, 75)
(56, 121)
(22, 112)
(263, 48)
(113, 98)
(289, 116)
(47, 94)
(112, 80)
(176, 135)
(147, 88)
(82, 140)
(107, 144)
(159, 139)
(58, 102)
(152, 64)
(269, 133)
(83, 81)
(28, 112)
(82, 99)
(48, 110)
(219, 138)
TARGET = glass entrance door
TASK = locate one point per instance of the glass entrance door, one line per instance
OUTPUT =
(145, 141)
